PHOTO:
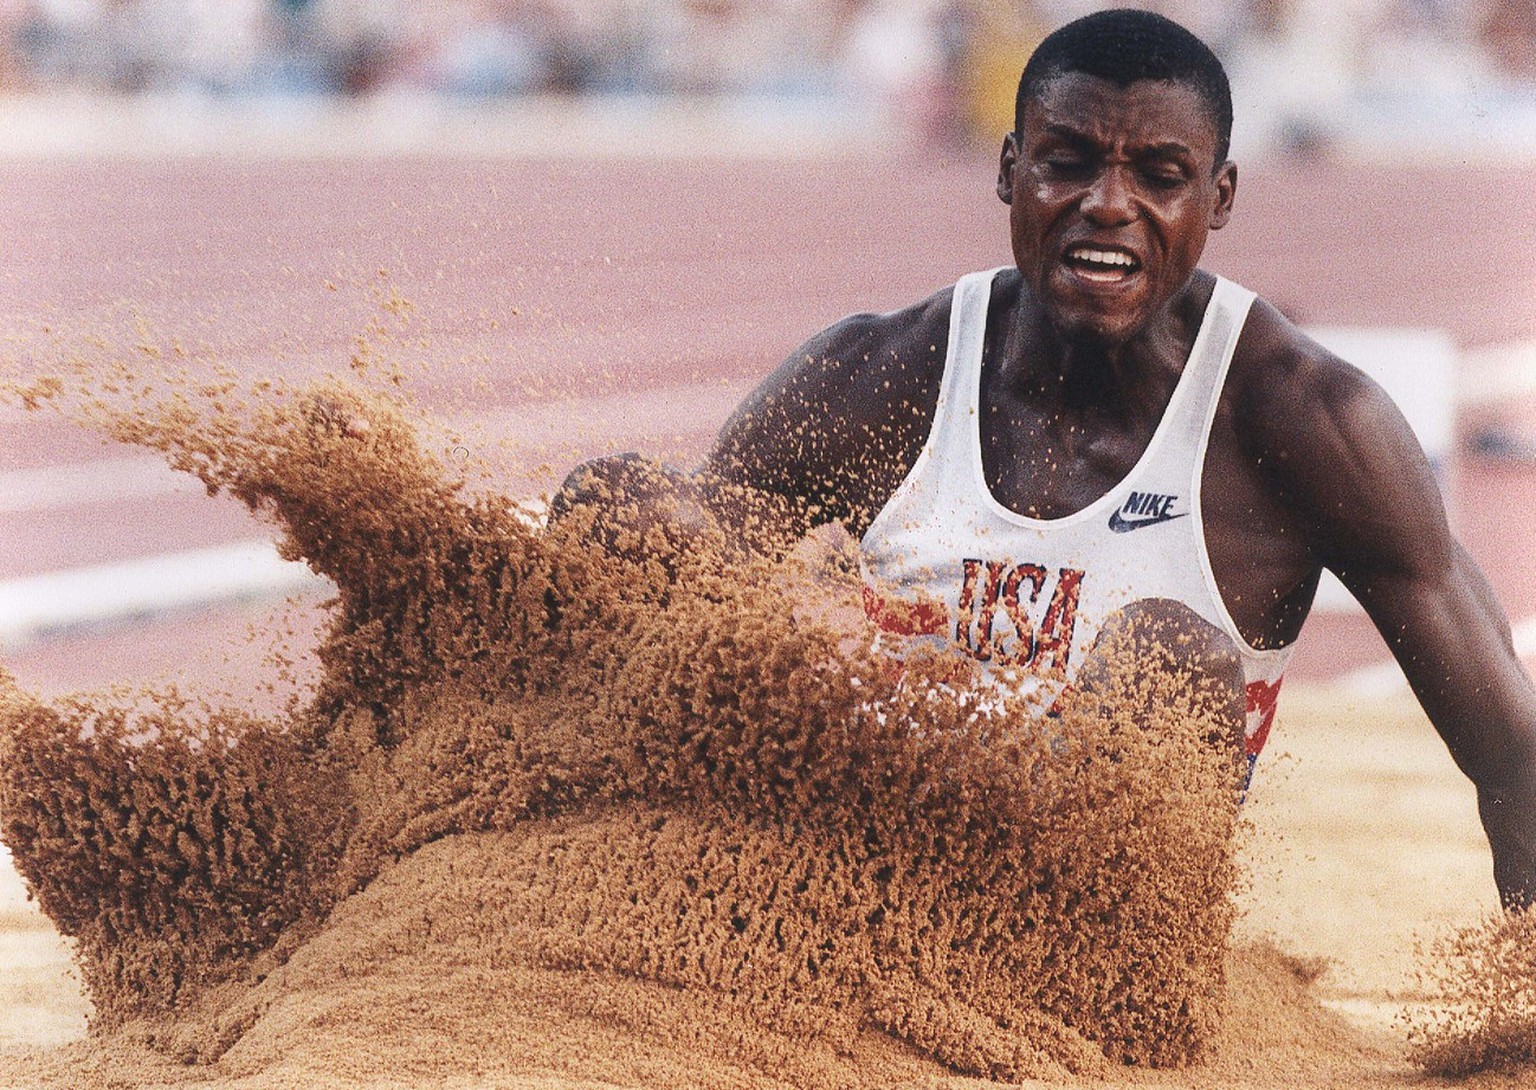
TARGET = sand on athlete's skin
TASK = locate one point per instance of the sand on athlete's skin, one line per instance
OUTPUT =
(554, 818)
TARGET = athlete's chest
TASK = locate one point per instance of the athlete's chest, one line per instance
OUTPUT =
(1051, 463)
(1049, 460)
(1259, 549)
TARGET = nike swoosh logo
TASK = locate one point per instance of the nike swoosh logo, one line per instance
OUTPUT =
(1124, 526)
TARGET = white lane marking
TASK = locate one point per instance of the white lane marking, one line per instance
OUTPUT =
(1497, 373)
(107, 480)
(35, 606)
(631, 417)
(1386, 678)
(13, 889)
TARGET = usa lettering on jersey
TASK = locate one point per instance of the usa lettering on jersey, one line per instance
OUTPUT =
(992, 587)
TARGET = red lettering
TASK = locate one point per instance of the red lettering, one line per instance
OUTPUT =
(984, 585)
(967, 604)
(1055, 634)
(1046, 649)
(981, 614)
(924, 617)
(983, 648)
(1263, 700)
(1018, 615)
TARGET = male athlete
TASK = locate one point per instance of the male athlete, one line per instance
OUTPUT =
(1105, 430)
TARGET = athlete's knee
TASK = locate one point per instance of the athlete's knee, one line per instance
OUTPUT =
(1166, 638)
(605, 483)
(1184, 636)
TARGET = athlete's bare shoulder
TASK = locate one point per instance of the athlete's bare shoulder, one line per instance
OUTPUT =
(1286, 387)
(1276, 360)
(838, 424)
(852, 369)
(1334, 447)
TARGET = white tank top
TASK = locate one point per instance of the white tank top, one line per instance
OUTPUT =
(1026, 596)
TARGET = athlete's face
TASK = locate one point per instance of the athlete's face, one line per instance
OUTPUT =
(1112, 194)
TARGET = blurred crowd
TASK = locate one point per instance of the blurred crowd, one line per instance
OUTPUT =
(948, 65)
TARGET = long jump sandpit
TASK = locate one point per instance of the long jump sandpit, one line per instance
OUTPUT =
(550, 817)
(1365, 844)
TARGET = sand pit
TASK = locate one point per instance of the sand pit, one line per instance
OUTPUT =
(367, 1004)
(552, 819)
(385, 995)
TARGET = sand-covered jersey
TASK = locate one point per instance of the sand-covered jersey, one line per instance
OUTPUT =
(1026, 596)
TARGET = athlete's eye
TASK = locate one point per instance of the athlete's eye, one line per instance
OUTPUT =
(1164, 175)
(1064, 165)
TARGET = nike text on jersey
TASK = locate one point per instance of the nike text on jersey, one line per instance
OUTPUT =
(1144, 509)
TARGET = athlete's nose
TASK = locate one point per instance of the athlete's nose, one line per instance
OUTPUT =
(1108, 201)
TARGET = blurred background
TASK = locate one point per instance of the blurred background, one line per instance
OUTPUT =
(1311, 76)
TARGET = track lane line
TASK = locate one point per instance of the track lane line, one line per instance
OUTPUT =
(33, 607)
(107, 480)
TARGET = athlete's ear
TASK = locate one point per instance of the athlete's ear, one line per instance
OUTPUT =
(1006, 162)
(1226, 193)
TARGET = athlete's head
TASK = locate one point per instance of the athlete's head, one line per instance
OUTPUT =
(1116, 171)
(1123, 46)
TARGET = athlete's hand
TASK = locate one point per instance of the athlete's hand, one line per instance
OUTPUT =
(333, 416)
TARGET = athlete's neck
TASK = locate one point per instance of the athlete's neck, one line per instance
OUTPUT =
(1037, 362)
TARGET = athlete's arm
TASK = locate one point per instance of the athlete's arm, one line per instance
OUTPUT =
(1348, 461)
(831, 433)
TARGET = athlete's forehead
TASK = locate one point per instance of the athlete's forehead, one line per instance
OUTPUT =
(1145, 115)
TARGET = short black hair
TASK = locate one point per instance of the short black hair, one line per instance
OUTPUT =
(1123, 46)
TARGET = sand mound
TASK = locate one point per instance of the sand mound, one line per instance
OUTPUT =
(429, 978)
(170, 841)
(1482, 982)
(638, 811)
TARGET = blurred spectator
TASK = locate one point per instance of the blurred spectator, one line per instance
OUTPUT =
(14, 15)
(1274, 109)
(720, 46)
(943, 69)
(481, 49)
(362, 40)
(64, 43)
(991, 54)
(1418, 47)
(895, 58)
(1507, 32)
(171, 45)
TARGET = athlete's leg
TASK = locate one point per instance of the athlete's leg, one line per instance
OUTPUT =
(1161, 634)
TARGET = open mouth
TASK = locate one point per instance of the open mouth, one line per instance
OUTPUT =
(1101, 265)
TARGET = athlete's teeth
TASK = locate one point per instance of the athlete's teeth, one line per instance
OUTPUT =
(1102, 257)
